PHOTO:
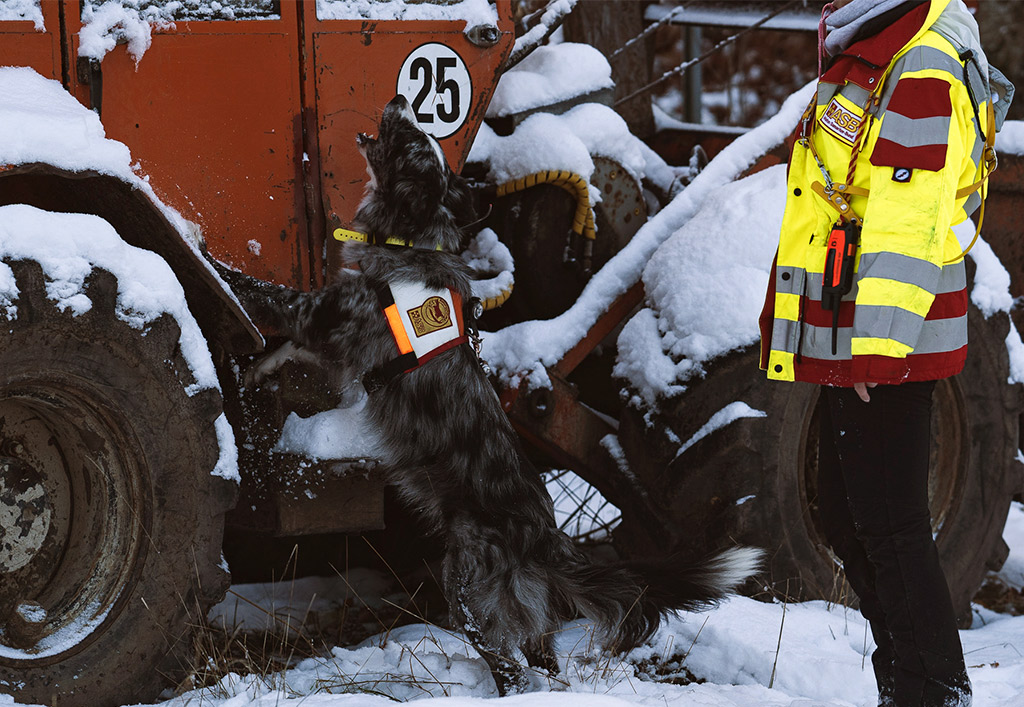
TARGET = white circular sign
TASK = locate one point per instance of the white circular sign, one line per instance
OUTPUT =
(436, 82)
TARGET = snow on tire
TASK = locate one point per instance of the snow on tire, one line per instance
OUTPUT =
(110, 519)
(753, 481)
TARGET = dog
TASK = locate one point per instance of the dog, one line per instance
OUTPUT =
(510, 576)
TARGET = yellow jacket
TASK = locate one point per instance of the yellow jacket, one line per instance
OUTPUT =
(906, 315)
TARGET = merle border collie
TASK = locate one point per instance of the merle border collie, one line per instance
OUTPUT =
(510, 576)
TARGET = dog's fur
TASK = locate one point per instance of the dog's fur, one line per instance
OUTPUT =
(510, 576)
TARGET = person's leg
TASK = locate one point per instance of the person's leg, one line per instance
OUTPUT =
(884, 446)
(841, 533)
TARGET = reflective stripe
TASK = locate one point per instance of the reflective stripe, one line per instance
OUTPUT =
(972, 203)
(953, 278)
(881, 322)
(979, 144)
(891, 324)
(901, 268)
(794, 285)
(789, 279)
(825, 93)
(891, 266)
(922, 335)
(817, 343)
(784, 335)
(914, 132)
(918, 59)
(942, 335)
(856, 95)
(398, 329)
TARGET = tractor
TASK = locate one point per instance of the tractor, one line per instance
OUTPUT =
(141, 139)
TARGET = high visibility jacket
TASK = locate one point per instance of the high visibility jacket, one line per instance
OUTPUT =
(905, 318)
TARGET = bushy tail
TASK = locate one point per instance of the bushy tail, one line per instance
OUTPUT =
(628, 600)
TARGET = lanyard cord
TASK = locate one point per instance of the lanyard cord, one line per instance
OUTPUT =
(833, 192)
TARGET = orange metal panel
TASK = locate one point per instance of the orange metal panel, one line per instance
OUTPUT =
(212, 114)
(357, 69)
(22, 45)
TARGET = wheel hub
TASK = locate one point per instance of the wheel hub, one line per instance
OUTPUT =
(25, 514)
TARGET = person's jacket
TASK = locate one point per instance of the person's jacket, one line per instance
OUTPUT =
(905, 318)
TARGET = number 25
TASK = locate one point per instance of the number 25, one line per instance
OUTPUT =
(422, 66)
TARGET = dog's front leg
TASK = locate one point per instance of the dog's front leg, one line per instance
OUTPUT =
(272, 362)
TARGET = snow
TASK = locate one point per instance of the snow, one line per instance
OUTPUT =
(580, 510)
(730, 413)
(340, 433)
(545, 141)
(492, 265)
(227, 462)
(705, 288)
(65, 638)
(1010, 139)
(41, 122)
(24, 10)
(745, 653)
(521, 351)
(472, 12)
(549, 75)
(69, 246)
(106, 25)
(552, 12)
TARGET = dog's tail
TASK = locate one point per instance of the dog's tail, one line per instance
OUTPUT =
(629, 599)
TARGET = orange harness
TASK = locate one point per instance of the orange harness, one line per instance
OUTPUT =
(423, 322)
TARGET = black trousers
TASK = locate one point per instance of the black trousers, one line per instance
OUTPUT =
(873, 501)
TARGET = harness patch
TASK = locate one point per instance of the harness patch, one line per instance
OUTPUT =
(433, 315)
(840, 121)
(431, 319)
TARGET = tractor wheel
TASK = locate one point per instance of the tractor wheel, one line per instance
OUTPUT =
(110, 520)
(754, 480)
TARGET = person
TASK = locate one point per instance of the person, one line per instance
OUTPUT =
(868, 299)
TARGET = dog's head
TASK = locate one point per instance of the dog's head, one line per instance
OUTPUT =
(412, 194)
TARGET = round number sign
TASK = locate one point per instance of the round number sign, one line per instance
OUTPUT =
(436, 81)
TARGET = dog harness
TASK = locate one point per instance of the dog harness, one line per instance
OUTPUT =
(424, 323)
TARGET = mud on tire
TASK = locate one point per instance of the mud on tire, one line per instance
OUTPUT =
(754, 481)
(114, 556)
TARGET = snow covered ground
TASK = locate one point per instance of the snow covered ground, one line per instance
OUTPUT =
(743, 654)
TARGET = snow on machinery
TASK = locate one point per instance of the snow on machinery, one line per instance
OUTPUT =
(242, 119)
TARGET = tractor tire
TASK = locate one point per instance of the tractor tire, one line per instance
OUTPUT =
(110, 520)
(754, 481)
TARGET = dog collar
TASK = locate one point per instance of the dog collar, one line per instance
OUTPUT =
(346, 234)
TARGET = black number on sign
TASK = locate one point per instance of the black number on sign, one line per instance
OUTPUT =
(449, 85)
(421, 66)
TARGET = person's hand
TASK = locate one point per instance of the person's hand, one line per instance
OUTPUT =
(862, 390)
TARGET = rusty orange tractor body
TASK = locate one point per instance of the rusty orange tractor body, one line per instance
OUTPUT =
(248, 127)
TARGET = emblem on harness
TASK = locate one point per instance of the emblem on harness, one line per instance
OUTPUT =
(432, 315)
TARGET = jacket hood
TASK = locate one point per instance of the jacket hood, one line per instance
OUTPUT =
(866, 60)
(846, 23)
(958, 24)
